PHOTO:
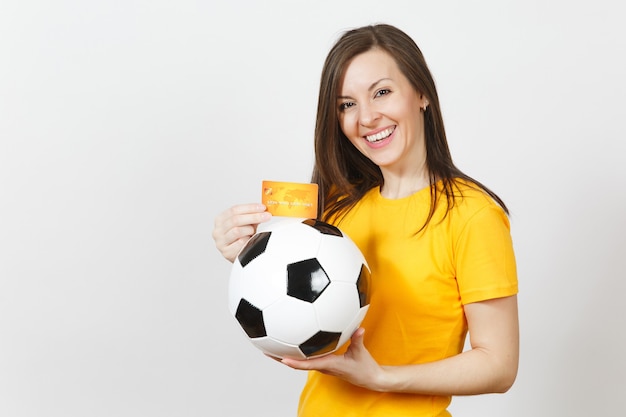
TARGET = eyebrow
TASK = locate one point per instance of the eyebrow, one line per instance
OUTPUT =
(370, 88)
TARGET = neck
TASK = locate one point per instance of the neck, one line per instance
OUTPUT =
(400, 186)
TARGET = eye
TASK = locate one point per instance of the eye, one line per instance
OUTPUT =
(382, 92)
(346, 105)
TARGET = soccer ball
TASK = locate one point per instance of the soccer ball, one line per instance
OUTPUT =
(299, 289)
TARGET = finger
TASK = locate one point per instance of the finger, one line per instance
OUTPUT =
(238, 210)
(238, 223)
(357, 337)
(248, 208)
(357, 346)
(276, 358)
(231, 251)
(296, 364)
(241, 214)
(321, 363)
(234, 234)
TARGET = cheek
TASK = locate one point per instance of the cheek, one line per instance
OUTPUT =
(352, 138)
(347, 126)
(349, 130)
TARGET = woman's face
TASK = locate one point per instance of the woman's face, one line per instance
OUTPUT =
(379, 112)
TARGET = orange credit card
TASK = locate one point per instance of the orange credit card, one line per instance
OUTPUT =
(290, 199)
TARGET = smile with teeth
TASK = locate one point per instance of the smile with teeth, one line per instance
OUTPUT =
(380, 135)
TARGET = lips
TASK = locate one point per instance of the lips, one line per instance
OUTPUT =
(382, 135)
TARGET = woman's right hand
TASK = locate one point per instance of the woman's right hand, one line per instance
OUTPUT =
(235, 226)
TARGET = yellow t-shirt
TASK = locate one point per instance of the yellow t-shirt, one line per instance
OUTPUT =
(420, 283)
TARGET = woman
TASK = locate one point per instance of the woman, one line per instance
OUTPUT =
(437, 241)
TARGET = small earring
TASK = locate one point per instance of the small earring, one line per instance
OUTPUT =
(425, 106)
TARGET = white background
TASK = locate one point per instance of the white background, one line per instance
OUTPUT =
(126, 126)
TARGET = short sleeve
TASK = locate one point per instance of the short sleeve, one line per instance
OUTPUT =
(484, 256)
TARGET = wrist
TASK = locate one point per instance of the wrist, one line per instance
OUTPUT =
(385, 381)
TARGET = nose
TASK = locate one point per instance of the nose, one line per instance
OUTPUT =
(368, 115)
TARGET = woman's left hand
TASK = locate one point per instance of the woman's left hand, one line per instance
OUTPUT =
(490, 366)
(356, 365)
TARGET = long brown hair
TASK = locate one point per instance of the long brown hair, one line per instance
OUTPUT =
(342, 173)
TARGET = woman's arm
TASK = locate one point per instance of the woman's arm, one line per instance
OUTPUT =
(490, 366)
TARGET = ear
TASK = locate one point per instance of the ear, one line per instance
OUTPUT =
(423, 103)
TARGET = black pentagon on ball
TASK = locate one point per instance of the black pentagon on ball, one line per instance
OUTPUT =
(321, 342)
(306, 280)
(251, 319)
(322, 227)
(363, 286)
(253, 248)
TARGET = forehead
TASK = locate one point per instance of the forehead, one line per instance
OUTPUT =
(369, 67)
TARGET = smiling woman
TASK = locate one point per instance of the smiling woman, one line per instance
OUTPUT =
(437, 241)
(382, 119)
